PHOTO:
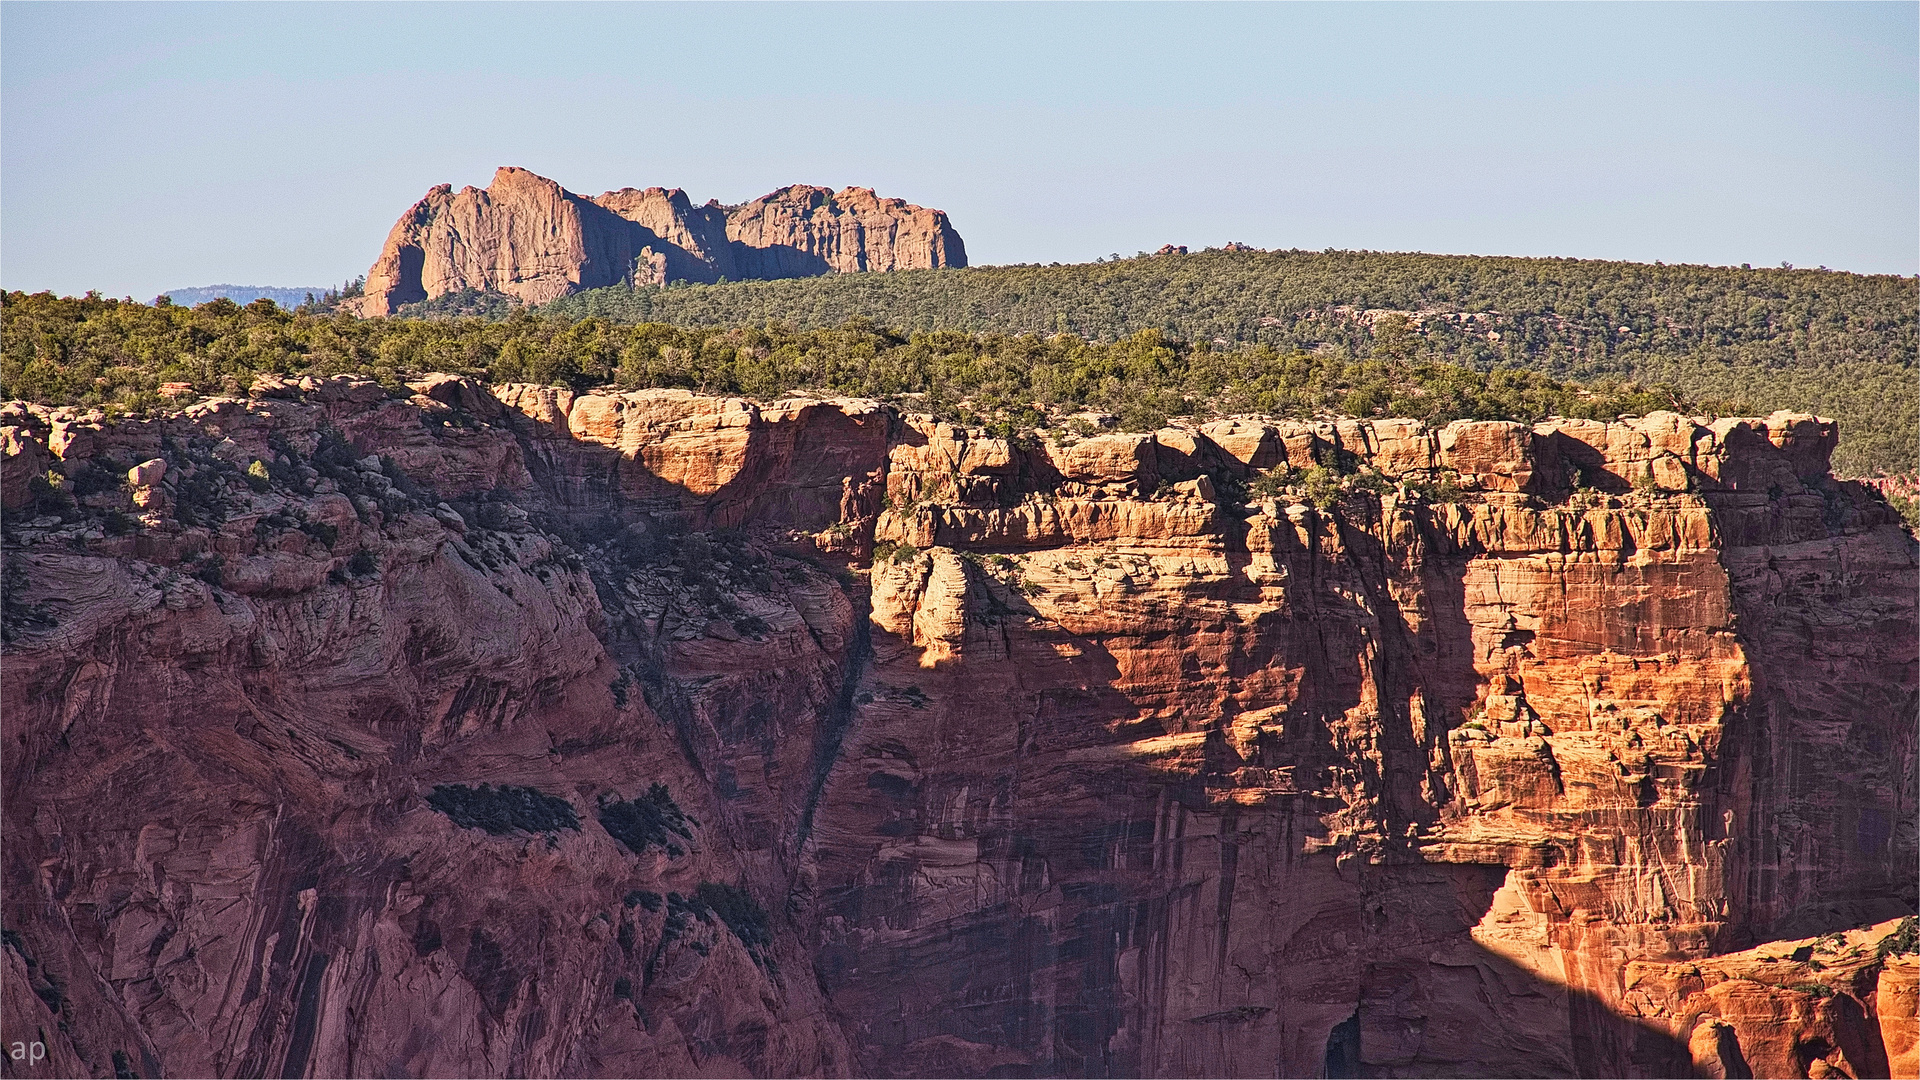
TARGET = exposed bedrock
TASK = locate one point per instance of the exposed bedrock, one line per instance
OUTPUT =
(527, 237)
(512, 731)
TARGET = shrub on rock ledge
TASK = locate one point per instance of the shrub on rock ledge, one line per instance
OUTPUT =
(503, 809)
(650, 820)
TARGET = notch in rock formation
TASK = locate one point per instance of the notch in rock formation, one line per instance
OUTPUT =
(1343, 1048)
(526, 237)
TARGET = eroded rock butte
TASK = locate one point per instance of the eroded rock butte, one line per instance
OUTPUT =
(512, 731)
(527, 237)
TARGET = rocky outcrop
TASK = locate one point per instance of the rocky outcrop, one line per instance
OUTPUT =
(1837, 1005)
(687, 243)
(1240, 748)
(523, 235)
(800, 231)
(526, 237)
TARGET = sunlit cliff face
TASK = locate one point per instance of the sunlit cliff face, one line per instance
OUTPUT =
(1247, 748)
(526, 237)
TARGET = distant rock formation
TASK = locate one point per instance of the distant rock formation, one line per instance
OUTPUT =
(245, 294)
(529, 238)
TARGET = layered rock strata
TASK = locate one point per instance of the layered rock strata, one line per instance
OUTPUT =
(526, 237)
(334, 717)
(1790, 1008)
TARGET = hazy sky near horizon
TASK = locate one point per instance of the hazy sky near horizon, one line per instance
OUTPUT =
(152, 146)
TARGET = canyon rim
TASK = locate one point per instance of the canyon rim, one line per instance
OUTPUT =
(507, 730)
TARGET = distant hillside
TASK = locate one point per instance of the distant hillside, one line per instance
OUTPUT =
(122, 355)
(1563, 314)
(1835, 343)
(245, 294)
(1289, 333)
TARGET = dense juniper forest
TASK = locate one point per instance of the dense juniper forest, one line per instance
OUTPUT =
(1287, 333)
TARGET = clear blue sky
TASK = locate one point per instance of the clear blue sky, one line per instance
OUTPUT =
(152, 146)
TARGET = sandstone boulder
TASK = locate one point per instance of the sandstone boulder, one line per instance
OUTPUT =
(147, 473)
(1252, 443)
(1499, 454)
(458, 392)
(23, 456)
(1117, 459)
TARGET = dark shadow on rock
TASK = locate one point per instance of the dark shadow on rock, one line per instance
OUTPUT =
(1135, 924)
(1096, 968)
(778, 261)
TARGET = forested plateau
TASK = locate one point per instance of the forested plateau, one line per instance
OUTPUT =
(1285, 333)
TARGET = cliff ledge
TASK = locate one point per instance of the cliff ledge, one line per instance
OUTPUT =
(513, 731)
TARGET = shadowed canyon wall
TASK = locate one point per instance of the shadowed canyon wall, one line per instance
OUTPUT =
(514, 731)
(527, 237)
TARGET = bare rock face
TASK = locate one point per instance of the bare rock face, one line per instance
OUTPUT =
(516, 731)
(527, 237)
(1789, 1008)
(800, 231)
(693, 243)
(524, 236)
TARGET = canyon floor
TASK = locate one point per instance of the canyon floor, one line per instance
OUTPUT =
(507, 731)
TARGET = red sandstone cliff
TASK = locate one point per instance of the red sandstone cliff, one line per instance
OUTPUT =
(1057, 758)
(529, 238)
(798, 230)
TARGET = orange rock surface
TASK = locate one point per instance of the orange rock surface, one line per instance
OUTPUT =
(1837, 1005)
(1064, 756)
(798, 230)
(527, 237)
